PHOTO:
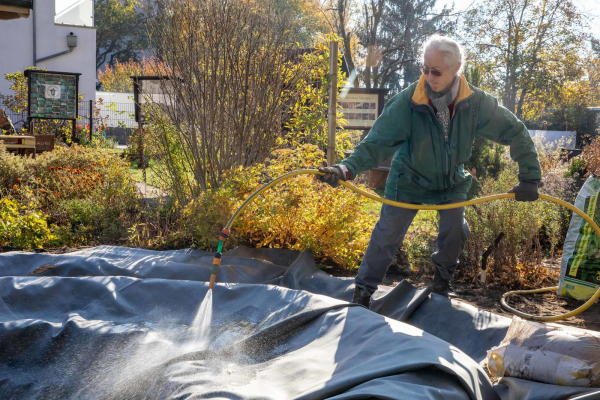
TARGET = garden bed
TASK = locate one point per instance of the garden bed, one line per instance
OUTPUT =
(488, 299)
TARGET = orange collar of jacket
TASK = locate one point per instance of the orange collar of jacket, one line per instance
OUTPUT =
(420, 95)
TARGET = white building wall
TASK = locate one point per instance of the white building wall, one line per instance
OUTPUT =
(16, 48)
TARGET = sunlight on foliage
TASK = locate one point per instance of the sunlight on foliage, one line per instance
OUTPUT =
(298, 214)
(21, 226)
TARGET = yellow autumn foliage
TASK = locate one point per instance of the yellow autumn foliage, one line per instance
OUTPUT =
(297, 214)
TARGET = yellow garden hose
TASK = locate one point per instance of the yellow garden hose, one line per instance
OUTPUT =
(586, 305)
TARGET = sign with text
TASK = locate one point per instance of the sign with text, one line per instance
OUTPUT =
(362, 107)
(52, 95)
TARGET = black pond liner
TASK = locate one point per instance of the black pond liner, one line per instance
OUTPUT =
(117, 323)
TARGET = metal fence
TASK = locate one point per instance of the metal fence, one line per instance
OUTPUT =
(18, 119)
(118, 119)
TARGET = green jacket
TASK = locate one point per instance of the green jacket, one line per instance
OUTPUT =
(426, 168)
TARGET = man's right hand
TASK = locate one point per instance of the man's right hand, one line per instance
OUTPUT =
(334, 174)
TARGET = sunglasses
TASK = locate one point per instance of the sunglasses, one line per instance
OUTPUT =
(434, 72)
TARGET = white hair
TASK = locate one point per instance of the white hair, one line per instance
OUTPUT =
(452, 50)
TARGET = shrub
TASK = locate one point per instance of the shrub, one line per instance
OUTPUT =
(21, 226)
(86, 193)
(308, 122)
(159, 226)
(297, 214)
(486, 162)
(12, 168)
(591, 156)
(420, 239)
(227, 107)
(516, 260)
(577, 170)
(534, 231)
(84, 218)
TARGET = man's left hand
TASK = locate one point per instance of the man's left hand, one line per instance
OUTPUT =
(525, 190)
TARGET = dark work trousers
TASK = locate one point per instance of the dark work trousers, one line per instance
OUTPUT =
(389, 233)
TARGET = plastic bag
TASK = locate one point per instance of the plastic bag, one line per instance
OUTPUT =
(580, 264)
(547, 353)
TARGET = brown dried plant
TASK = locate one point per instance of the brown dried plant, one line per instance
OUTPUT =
(591, 156)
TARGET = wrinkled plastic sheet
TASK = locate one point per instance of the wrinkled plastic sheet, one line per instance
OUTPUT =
(114, 323)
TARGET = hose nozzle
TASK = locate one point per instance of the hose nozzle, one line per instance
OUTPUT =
(217, 259)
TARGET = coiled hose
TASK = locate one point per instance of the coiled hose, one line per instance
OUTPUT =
(586, 305)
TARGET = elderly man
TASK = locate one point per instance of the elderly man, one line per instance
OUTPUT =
(430, 128)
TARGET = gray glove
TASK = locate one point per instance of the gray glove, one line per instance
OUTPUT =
(334, 174)
(525, 190)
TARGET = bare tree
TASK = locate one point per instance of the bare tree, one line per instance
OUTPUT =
(342, 17)
(406, 26)
(232, 79)
(526, 48)
(390, 33)
(373, 11)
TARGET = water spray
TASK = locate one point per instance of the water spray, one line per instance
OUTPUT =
(590, 221)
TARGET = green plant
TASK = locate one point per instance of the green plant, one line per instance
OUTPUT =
(486, 162)
(85, 219)
(135, 147)
(17, 102)
(172, 167)
(297, 214)
(87, 194)
(345, 140)
(21, 226)
(577, 170)
(12, 168)
(420, 239)
(159, 226)
(309, 114)
(46, 165)
(534, 231)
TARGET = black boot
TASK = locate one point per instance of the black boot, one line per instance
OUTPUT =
(358, 298)
(441, 286)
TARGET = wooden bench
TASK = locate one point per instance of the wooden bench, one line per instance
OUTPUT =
(23, 145)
